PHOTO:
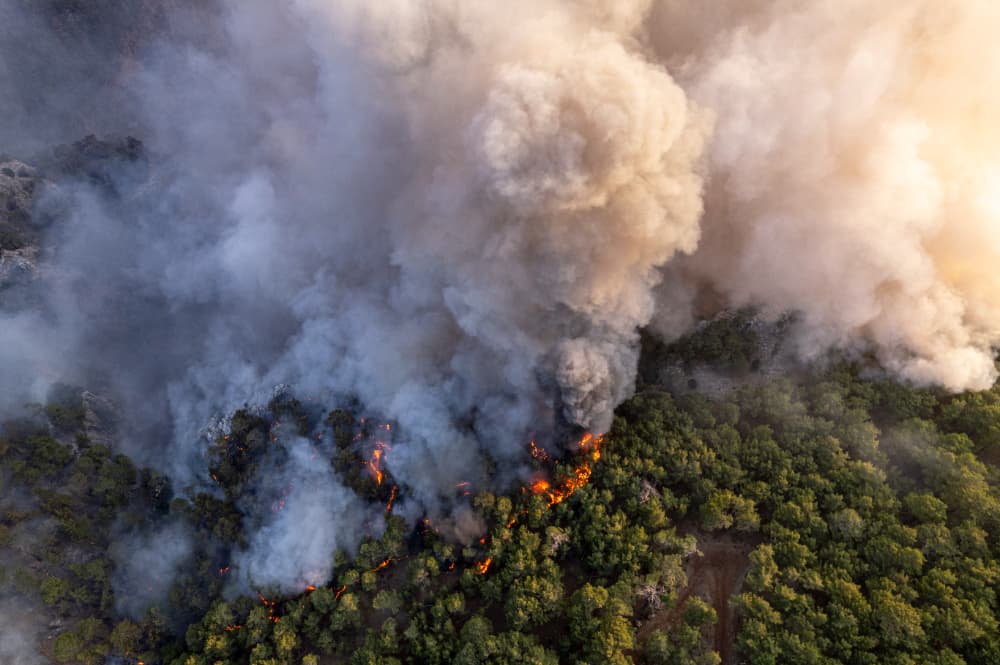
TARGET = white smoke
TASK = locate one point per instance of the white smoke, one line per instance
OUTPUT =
(853, 168)
(295, 546)
(462, 213)
(145, 567)
(20, 631)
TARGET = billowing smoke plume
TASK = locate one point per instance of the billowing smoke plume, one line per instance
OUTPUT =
(854, 172)
(462, 213)
(452, 220)
(303, 511)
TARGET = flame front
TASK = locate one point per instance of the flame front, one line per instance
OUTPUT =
(589, 444)
(484, 565)
(392, 499)
(375, 463)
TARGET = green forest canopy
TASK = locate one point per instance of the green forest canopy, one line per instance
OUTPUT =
(859, 521)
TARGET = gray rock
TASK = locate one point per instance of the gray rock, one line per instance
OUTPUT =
(99, 419)
(19, 185)
(18, 267)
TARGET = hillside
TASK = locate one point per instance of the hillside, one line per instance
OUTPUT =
(833, 519)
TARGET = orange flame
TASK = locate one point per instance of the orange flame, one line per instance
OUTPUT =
(537, 452)
(340, 591)
(540, 486)
(269, 604)
(484, 565)
(580, 476)
(375, 463)
(392, 498)
(310, 587)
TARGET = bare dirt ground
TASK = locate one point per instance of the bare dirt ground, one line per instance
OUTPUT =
(715, 574)
(991, 456)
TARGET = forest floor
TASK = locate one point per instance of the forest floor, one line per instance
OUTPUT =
(715, 574)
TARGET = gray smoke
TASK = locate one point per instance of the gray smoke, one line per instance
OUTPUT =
(301, 523)
(19, 631)
(146, 565)
(462, 213)
(853, 175)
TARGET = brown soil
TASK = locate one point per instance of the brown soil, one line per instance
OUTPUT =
(991, 456)
(715, 574)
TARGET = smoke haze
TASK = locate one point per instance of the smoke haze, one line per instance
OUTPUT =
(854, 178)
(462, 214)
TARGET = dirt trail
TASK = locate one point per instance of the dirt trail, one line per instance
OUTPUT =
(715, 574)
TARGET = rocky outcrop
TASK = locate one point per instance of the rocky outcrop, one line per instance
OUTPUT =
(99, 418)
(20, 186)
(107, 163)
(18, 267)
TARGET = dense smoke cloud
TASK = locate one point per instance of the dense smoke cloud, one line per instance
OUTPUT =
(854, 172)
(462, 213)
(145, 566)
(301, 512)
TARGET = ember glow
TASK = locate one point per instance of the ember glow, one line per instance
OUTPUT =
(538, 452)
(270, 605)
